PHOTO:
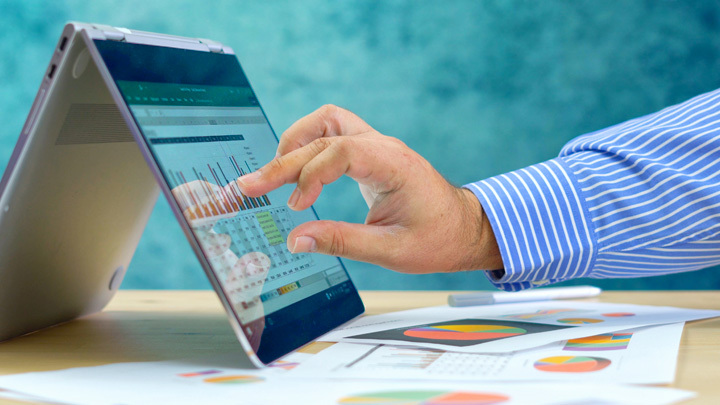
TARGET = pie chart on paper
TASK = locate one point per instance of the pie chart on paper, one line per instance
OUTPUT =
(424, 398)
(579, 321)
(234, 379)
(464, 332)
(571, 364)
(606, 341)
(618, 314)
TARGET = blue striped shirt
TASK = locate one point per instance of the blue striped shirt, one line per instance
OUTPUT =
(636, 199)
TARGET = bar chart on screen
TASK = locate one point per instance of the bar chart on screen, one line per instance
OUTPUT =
(209, 191)
(204, 184)
(201, 153)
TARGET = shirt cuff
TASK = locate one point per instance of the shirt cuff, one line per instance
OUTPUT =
(541, 224)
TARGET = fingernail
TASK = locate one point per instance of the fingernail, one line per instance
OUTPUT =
(304, 244)
(249, 178)
(294, 197)
(277, 154)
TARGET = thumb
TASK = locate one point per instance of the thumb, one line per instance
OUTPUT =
(369, 243)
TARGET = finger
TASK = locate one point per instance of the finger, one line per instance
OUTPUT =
(282, 170)
(369, 243)
(328, 120)
(343, 157)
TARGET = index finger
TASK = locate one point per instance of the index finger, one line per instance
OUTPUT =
(328, 120)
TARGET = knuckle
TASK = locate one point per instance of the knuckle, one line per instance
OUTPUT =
(336, 245)
(397, 141)
(330, 115)
(307, 179)
(276, 165)
(319, 144)
(392, 140)
(328, 110)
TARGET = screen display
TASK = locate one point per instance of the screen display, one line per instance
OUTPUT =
(201, 122)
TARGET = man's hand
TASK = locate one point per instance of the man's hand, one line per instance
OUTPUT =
(417, 223)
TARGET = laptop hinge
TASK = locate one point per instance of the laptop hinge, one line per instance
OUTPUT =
(214, 47)
(112, 33)
(148, 38)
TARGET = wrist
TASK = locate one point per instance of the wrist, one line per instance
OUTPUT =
(482, 248)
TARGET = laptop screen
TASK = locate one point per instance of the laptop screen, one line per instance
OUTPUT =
(203, 126)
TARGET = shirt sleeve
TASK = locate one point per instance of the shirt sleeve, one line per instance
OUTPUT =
(636, 199)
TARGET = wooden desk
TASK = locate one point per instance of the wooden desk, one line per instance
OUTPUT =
(161, 325)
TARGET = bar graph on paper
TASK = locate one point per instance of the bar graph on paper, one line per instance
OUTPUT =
(413, 362)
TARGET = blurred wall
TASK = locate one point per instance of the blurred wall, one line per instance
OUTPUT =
(477, 87)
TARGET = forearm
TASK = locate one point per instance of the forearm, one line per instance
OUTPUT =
(640, 198)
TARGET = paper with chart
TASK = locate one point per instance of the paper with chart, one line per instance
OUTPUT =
(637, 356)
(196, 382)
(181, 381)
(506, 328)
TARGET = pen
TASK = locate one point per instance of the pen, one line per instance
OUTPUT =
(540, 294)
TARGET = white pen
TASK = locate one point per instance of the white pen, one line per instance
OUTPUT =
(540, 294)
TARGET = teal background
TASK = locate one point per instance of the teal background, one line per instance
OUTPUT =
(477, 87)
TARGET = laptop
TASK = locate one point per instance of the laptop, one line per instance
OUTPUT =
(121, 117)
